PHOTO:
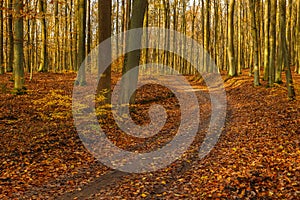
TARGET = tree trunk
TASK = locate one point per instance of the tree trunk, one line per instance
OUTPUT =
(81, 42)
(284, 49)
(298, 36)
(1, 40)
(273, 7)
(239, 51)
(10, 38)
(266, 39)
(65, 38)
(132, 58)
(43, 58)
(105, 10)
(56, 36)
(18, 48)
(231, 53)
(71, 63)
(255, 43)
(75, 38)
(207, 35)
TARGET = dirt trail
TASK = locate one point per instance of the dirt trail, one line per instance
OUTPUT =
(257, 155)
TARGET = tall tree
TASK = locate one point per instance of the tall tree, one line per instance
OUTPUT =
(239, 50)
(104, 32)
(273, 11)
(10, 38)
(298, 36)
(284, 49)
(231, 53)
(81, 41)
(18, 48)
(207, 34)
(266, 39)
(43, 57)
(255, 43)
(56, 37)
(1, 39)
(132, 58)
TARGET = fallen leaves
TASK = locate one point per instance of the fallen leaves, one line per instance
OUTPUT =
(257, 155)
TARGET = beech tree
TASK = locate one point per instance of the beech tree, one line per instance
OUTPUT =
(273, 11)
(231, 54)
(266, 39)
(104, 32)
(239, 35)
(10, 37)
(298, 36)
(255, 43)
(284, 49)
(1, 40)
(81, 41)
(132, 58)
(43, 57)
(18, 48)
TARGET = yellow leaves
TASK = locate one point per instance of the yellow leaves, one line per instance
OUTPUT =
(144, 195)
(281, 147)
(177, 195)
(181, 180)
(64, 166)
(219, 177)
(54, 105)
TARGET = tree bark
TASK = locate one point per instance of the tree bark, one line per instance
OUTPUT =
(285, 52)
(104, 31)
(207, 35)
(255, 43)
(266, 39)
(56, 36)
(273, 7)
(18, 48)
(10, 38)
(43, 58)
(81, 41)
(132, 58)
(298, 36)
(231, 53)
(1, 40)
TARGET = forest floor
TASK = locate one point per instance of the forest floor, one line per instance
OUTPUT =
(256, 157)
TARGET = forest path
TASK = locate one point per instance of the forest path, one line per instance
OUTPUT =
(257, 156)
(114, 178)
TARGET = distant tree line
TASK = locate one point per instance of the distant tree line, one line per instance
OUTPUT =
(56, 35)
